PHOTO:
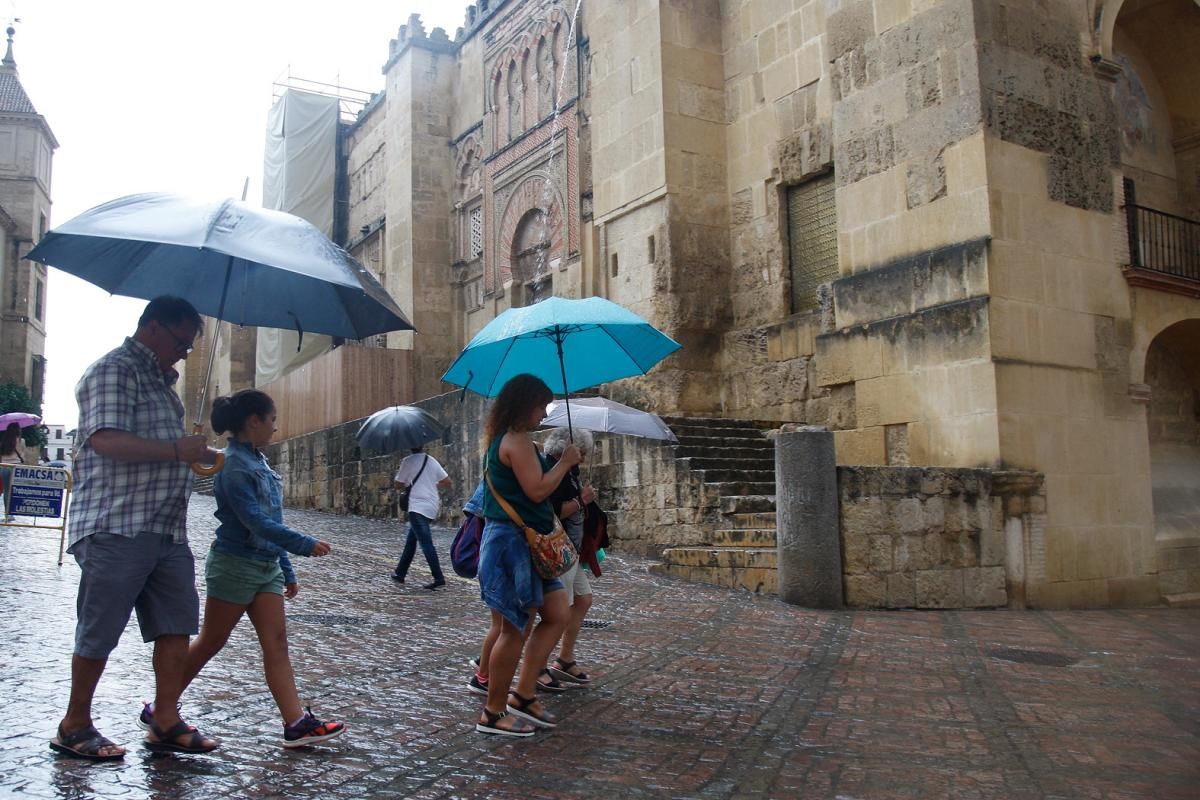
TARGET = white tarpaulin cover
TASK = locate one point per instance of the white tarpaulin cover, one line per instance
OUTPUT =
(299, 166)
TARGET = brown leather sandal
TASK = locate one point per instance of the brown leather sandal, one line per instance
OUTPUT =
(169, 741)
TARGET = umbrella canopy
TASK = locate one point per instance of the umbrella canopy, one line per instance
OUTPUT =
(22, 418)
(231, 260)
(569, 344)
(398, 428)
(602, 415)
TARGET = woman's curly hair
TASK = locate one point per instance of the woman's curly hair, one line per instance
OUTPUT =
(513, 405)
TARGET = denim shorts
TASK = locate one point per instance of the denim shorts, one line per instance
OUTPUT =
(236, 579)
(148, 573)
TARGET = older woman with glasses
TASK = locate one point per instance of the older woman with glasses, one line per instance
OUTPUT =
(569, 500)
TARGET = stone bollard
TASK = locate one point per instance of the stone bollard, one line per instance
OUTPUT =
(807, 539)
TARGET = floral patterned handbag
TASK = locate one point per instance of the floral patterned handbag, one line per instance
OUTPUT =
(552, 553)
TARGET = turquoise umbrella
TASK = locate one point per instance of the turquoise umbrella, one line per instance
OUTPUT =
(569, 344)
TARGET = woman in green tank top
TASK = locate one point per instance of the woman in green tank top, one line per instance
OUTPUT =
(508, 583)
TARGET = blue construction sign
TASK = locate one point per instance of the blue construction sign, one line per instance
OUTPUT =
(38, 491)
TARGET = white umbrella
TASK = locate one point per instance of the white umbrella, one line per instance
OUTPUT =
(601, 415)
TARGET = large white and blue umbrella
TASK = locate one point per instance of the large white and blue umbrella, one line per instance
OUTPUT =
(230, 260)
(569, 344)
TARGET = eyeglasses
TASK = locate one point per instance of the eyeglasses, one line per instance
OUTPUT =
(183, 346)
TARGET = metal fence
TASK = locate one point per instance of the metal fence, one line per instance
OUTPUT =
(1163, 242)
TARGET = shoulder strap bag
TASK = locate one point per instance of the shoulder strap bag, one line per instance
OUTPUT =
(402, 496)
(552, 553)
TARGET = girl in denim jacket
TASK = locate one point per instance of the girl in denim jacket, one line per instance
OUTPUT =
(248, 570)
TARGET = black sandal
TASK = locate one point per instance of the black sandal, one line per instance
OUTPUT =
(165, 741)
(552, 685)
(521, 709)
(562, 671)
(519, 726)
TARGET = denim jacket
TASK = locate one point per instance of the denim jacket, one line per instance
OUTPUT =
(250, 508)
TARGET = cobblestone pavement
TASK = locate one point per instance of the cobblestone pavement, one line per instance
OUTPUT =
(701, 693)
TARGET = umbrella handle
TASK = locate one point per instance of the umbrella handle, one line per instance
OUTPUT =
(206, 471)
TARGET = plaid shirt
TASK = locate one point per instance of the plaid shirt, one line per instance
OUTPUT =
(126, 390)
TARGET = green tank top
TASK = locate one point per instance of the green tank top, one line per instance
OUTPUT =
(539, 516)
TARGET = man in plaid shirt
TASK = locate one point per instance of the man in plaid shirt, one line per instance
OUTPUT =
(128, 530)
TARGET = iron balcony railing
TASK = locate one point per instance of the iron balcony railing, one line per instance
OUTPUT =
(1163, 242)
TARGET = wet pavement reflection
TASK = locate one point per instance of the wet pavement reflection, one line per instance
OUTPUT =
(700, 692)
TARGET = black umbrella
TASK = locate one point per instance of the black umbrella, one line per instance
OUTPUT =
(396, 428)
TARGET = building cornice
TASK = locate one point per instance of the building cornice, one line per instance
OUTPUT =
(31, 119)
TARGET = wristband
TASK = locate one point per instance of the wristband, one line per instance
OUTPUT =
(175, 446)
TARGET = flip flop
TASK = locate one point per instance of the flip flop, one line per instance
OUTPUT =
(86, 743)
(165, 741)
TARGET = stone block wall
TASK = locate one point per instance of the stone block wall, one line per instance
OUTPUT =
(1062, 319)
(929, 537)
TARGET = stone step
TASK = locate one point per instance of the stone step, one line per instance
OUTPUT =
(760, 580)
(727, 475)
(739, 488)
(743, 537)
(762, 463)
(688, 451)
(750, 503)
(752, 520)
(1183, 600)
(748, 442)
(718, 422)
(732, 557)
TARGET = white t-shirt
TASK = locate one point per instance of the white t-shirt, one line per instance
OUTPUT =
(423, 498)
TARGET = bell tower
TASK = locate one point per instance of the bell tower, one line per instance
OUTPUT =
(27, 148)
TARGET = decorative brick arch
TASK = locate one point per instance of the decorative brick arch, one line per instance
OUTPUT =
(498, 98)
(529, 89)
(530, 195)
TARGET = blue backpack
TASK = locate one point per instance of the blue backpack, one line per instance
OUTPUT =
(464, 550)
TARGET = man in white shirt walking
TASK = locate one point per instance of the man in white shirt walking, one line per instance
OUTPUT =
(423, 476)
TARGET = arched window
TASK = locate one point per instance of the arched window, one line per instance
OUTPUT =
(499, 116)
(514, 101)
(545, 77)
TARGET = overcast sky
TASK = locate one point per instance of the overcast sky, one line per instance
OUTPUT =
(159, 95)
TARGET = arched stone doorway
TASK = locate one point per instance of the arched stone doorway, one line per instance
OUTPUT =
(531, 240)
(531, 256)
(1173, 426)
